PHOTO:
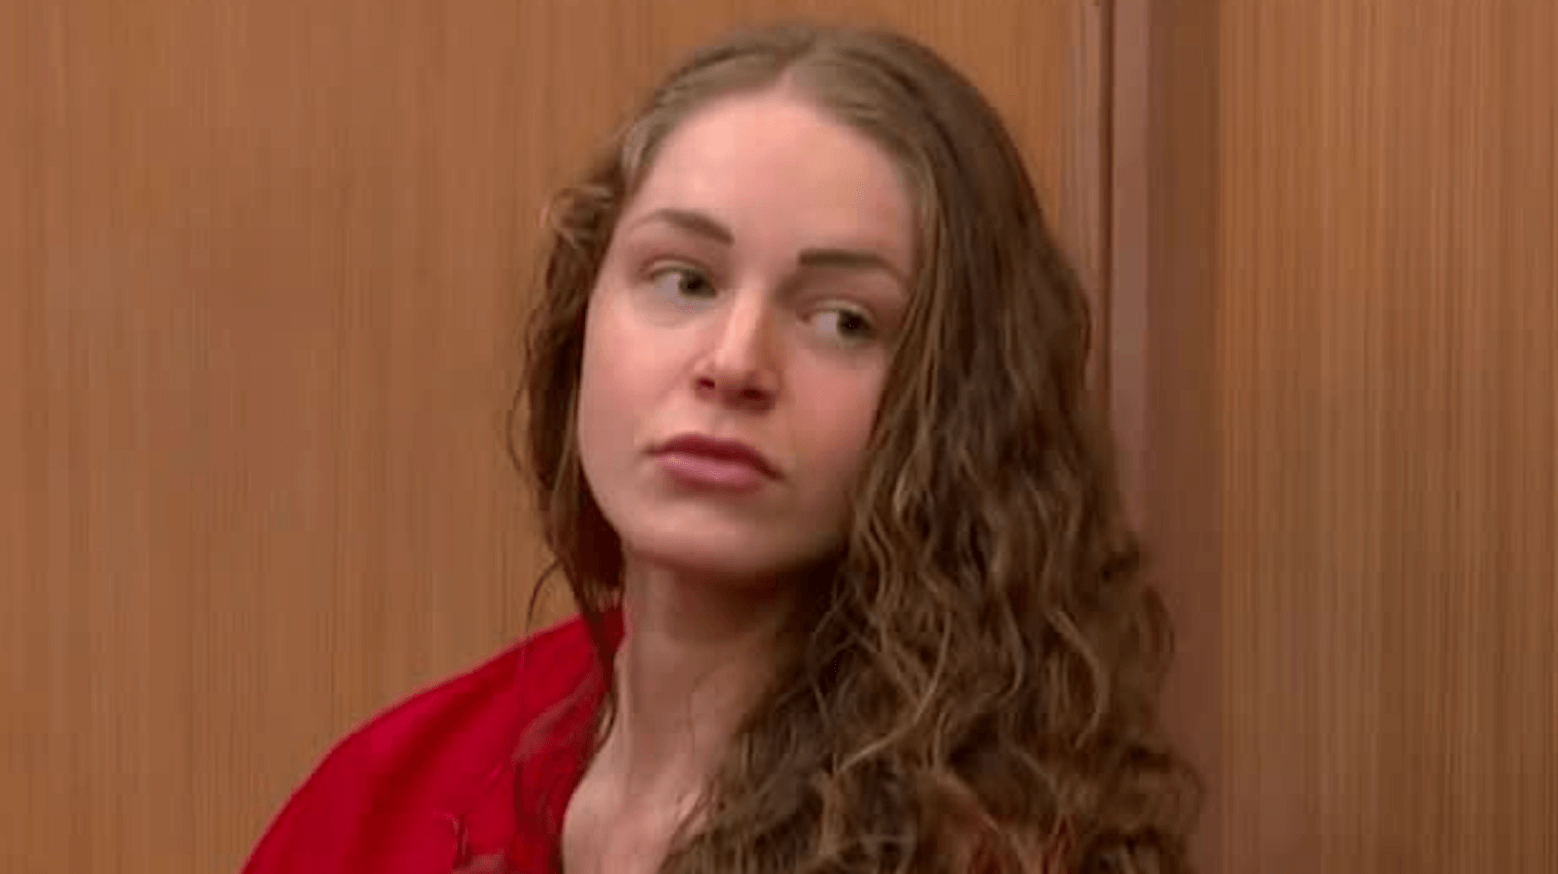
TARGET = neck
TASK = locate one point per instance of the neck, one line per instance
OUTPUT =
(696, 656)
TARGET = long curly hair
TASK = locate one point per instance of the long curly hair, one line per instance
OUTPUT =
(974, 684)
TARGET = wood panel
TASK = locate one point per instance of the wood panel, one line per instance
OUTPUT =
(1373, 187)
(1164, 376)
(261, 264)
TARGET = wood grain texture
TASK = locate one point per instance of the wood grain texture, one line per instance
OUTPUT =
(1373, 184)
(262, 266)
(1163, 345)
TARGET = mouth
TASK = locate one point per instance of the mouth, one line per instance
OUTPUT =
(710, 462)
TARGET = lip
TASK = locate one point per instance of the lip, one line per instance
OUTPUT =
(702, 460)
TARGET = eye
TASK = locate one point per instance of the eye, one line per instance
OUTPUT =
(682, 281)
(847, 324)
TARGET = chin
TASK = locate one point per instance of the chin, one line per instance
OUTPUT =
(714, 561)
(737, 557)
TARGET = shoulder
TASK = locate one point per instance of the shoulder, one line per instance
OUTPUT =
(404, 782)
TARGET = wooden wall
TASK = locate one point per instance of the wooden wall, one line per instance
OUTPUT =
(1341, 371)
(262, 264)
(261, 271)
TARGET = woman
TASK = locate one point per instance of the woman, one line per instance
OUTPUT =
(807, 418)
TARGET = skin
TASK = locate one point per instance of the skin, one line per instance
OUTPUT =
(752, 291)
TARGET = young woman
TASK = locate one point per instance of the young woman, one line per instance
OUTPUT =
(807, 419)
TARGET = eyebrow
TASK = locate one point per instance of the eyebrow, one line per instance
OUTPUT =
(704, 225)
(850, 259)
(693, 222)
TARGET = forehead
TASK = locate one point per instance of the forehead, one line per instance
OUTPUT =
(777, 170)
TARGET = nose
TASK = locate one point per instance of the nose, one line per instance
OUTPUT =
(738, 366)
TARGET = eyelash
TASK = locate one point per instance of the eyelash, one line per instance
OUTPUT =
(867, 330)
(660, 272)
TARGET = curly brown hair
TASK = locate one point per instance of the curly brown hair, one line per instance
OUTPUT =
(974, 684)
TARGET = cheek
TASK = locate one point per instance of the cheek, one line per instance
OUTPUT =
(836, 425)
(602, 395)
(623, 374)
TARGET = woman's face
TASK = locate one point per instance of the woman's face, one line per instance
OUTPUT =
(738, 338)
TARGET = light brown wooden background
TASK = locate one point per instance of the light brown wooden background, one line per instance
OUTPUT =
(262, 264)
(1339, 373)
